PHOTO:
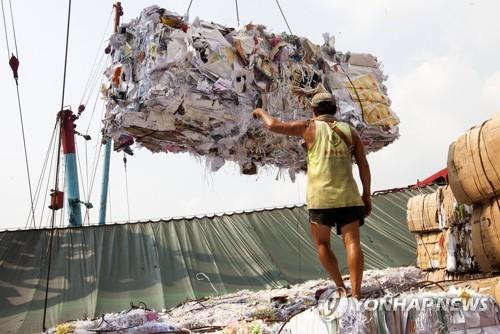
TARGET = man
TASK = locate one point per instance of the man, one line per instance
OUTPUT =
(333, 197)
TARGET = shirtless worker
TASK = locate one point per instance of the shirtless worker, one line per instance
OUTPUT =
(333, 197)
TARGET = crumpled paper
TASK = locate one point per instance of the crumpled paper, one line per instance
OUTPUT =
(178, 87)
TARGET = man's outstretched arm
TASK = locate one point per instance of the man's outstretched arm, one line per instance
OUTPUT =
(364, 170)
(292, 128)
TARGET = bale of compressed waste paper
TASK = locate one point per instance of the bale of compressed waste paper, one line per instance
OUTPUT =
(422, 213)
(175, 86)
(485, 238)
(474, 163)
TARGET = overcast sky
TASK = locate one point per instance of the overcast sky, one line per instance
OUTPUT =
(441, 58)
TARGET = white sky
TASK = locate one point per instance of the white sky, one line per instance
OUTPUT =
(441, 58)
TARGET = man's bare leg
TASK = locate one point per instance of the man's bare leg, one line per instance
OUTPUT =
(321, 236)
(355, 258)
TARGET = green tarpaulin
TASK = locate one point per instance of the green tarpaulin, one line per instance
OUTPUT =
(99, 269)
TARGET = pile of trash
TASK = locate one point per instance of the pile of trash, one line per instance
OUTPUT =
(134, 321)
(455, 311)
(394, 300)
(276, 306)
(179, 87)
(245, 311)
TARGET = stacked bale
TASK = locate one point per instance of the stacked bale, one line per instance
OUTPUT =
(486, 234)
(443, 232)
(423, 220)
(455, 219)
(474, 175)
(448, 215)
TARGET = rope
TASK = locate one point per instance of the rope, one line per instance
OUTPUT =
(189, 7)
(237, 12)
(14, 63)
(356, 92)
(42, 174)
(95, 79)
(453, 169)
(81, 180)
(58, 165)
(87, 199)
(96, 99)
(98, 69)
(5, 30)
(284, 18)
(96, 160)
(25, 154)
(44, 206)
(66, 56)
(13, 28)
(63, 212)
(290, 318)
(92, 68)
(126, 184)
(51, 237)
(479, 137)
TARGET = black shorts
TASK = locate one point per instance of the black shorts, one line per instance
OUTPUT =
(338, 216)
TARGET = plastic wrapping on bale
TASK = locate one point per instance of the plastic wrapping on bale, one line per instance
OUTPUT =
(175, 87)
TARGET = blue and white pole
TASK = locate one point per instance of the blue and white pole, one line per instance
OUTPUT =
(105, 182)
(71, 179)
(107, 152)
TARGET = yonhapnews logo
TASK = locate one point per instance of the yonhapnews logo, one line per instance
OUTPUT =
(334, 303)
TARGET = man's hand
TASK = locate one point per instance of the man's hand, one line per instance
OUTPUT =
(291, 128)
(367, 200)
(257, 113)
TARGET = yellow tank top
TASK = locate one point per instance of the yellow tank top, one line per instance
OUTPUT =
(330, 182)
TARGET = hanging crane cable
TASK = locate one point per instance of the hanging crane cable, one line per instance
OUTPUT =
(58, 165)
(95, 64)
(93, 82)
(13, 27)
(237, 12)
(189, 7)
(95, 162)
(284, 17)
(14, 65)
(39, 185)
(235, 3)
(46, 193)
